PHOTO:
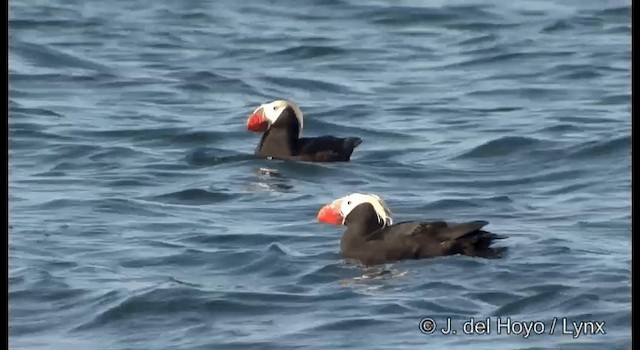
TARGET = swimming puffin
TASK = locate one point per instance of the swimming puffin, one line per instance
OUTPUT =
(281, 124)
(372, 239)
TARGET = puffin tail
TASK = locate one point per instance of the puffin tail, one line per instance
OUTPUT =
(479, 244)
(353, 142)
(350, 144)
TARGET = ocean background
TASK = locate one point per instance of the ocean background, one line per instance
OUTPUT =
(139, 219)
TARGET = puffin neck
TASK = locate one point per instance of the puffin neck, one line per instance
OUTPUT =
(282, 136)
(363, 220)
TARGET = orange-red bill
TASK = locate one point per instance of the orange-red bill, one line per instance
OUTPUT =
(329, 214)
(257, 121)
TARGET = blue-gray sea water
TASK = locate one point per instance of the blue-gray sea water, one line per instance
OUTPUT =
(139, 218)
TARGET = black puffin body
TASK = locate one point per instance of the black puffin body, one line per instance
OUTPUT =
(371, 239)
(281, 123)
(414, 240)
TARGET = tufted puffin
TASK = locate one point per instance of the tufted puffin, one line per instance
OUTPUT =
(372, 239)
(281, 124)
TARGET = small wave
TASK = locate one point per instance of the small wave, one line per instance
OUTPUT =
(308, 84)
(141, 84)
(327, 273)
(443, 204)
(34, 111)
(351, 324)
(338, 3)
(407, 15)
(586, 120)
(557, 26)
(103, 205)
(615, 99)
(291, 298)
(49, 23)
(280, 249)
(503, 58)
(392, 308)
(530, 304)
(310, 51)
(435, 306)
(169, 167)
(450, 203)
(621, 13)
(587, 21)
(272, 261)
(39, 78)
(524, 92)
(211, 79)
(602, 148)
(482, 25)
(159, 171)
(68, 152)
(270, 184)
(499, 182)
(193, 196)
(57, 295)
(196, 137)
(117, 152)
(186, 258)
(567, 188)
(437, 285)
(212, 157)
(579, 302)
(302, 168)
(196, 87)
(48, 57)
(586, 73)
(619, 29)
(172, 135)
(494, 297)
(14, 104)
(234, 240)
(480, 39)
(503, 146)
(269, 172)
(180, 299)
(138, 134)
(495, 109)
(370, 275)
(196, 16)
(562, 128)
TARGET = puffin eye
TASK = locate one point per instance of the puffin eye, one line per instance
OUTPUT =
(274, 108)
(348, 202)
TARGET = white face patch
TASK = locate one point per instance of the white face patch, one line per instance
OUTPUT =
(273, 110)
(347, 203)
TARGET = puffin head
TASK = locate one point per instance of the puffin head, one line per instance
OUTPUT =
(270, 113)
(337, 212)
